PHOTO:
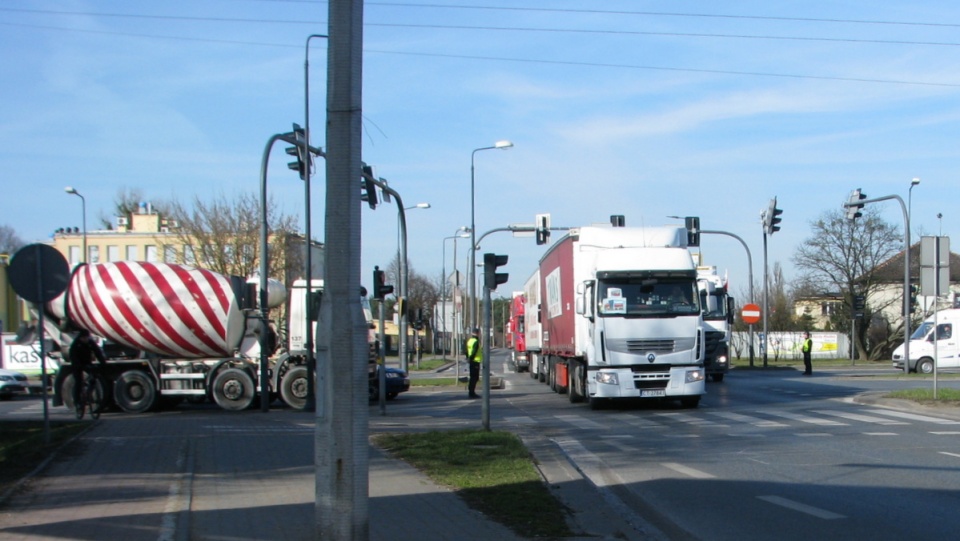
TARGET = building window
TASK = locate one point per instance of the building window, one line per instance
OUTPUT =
(169, 254)
(189, 257)
(113, 253)
(74, 254)
(151, 252)
(131, 253)
(94, 254)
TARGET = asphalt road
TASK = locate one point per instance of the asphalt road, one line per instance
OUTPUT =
(767, 455)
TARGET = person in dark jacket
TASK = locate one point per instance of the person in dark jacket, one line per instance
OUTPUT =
(83, 351)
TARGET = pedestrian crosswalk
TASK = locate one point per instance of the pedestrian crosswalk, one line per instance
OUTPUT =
(770, 419)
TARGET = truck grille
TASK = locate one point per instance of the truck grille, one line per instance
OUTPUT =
(651, 346)
(713, 342)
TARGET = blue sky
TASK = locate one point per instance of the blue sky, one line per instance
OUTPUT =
(646, 109)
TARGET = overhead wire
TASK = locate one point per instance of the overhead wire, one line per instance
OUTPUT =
(521, 29)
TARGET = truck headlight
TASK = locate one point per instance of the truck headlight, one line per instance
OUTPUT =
(722, 359)
(694, 375)
(609, 378)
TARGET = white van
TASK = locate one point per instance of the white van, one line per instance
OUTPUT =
(922, 344)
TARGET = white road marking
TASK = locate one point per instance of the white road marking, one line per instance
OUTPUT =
(880, 434)
(579, 421)
(946, 433)
(950, 454)
(858, 417)
(755, 421)
(801, 507)
(805, 418)
(179, 495)
(915, 417)
(686, 470)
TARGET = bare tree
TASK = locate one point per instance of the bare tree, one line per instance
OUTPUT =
(844, 256)
(422, 294)
(10, 242)
(224, 236)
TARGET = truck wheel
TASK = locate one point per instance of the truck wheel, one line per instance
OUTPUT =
(233, 389)
(134, 392)
(575, 381)
(925, 366)
(293, 388)
(552, 378)
(66, 391)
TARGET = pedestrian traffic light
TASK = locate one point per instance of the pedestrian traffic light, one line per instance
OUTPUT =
(693, 230)
(492, 278)
(368, 187)
(771, 219)
(302, 153)
(914, 291)
(854, 206)
(543, 228)
(380, 290)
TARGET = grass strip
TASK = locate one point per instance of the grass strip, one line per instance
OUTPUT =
(946, 396)
(492, 471)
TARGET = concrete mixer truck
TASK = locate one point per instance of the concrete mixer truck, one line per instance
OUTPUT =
(173, 332)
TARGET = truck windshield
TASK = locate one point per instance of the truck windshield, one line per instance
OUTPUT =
(721, 308)
(647, 297)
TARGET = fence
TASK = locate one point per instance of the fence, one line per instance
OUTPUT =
(786, 345)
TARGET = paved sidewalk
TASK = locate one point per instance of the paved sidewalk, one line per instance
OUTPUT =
(199, 474)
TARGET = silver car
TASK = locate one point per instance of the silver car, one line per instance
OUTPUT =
(12, 383)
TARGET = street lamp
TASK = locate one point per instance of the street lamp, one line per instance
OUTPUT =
(473, 229)
(402, 261)
(460, 234)
(906, 249)
(308, 262)
(83, 206)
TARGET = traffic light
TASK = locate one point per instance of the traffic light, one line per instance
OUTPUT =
(859, 305)
(380, 290)
(369, 189)
(302, 153)
(914, 291)
(543, 228)
(693, 230)
(771, 219)
(492, 278)
(854, 205)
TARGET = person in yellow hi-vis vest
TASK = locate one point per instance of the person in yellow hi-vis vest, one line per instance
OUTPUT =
(474, 358)
(806, 349)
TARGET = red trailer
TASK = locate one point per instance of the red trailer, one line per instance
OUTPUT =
(516, 331)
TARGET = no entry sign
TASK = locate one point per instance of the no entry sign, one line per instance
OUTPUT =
(750, 314)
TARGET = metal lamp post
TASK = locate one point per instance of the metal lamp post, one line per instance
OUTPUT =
(472, 322)
(443, 285)
(402, 261)
(83, 203)
(308, 263)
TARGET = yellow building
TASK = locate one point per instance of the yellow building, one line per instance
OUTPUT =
(139, 237)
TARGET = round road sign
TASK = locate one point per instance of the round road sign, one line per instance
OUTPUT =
(750, 314)
(38, 273)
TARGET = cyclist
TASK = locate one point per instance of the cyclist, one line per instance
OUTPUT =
(83, 351)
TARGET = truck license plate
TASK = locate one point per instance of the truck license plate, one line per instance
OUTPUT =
(650, 393)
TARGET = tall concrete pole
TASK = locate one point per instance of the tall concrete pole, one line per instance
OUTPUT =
(341, 446)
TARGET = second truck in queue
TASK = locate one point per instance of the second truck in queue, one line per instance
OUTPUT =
(620, 315)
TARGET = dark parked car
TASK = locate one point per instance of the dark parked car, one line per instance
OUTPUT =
(397, 382)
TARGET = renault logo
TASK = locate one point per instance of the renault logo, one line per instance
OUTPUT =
(651, 357)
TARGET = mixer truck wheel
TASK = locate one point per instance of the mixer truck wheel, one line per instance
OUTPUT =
(66, 391)
(293, 388)
(134, 392)
(233, 389)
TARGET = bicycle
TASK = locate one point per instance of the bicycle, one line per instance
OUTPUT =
(90, 396)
